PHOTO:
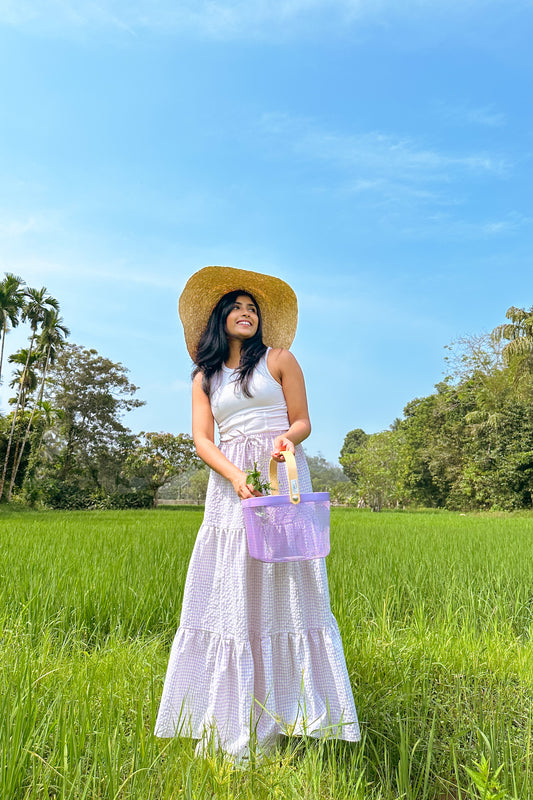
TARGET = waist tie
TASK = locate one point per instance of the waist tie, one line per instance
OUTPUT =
(252, 440)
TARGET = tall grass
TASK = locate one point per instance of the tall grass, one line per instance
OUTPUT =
(435, 611)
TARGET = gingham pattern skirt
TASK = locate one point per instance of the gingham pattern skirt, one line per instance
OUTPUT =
(258, 651)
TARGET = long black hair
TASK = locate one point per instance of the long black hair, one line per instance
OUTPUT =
(213, 347)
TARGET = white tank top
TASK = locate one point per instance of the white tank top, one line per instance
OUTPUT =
(238, 415)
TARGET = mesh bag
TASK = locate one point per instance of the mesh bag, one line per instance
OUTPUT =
(291, 527)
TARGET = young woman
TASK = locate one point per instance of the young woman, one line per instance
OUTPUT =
(258, 651)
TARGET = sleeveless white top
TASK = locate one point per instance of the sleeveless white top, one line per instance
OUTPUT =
(238, 415)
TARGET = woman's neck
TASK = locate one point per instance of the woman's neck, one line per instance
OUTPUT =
(234, 358)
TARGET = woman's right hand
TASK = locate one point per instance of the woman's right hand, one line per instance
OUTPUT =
(243, 489)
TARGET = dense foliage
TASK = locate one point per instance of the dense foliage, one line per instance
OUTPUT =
(325, 477)
(65, 443)
(469, 445)
(156, 458)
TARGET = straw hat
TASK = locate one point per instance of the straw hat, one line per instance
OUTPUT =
(276, 299)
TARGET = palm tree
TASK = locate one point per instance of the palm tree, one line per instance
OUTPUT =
(24, 378)
(37, 304)
(11, 302)
(518, 333)
(50, 340)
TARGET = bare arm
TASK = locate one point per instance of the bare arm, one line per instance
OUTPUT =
(203, 431)
(287, 371)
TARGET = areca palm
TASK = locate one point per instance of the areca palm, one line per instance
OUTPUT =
(11, 301)
(26, 381)
(25, 377)
(50, 340)
(37, 304)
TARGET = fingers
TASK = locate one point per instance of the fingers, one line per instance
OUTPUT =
(245, 491)
(281, 443)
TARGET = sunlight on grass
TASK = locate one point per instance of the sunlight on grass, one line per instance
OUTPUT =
(435, 611)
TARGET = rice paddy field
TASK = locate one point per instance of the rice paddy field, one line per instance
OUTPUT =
(436, 615)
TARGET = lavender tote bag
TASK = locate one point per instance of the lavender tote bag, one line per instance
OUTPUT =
(293, 527)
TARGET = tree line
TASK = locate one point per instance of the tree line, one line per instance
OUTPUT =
(467, 446)
(64, 442)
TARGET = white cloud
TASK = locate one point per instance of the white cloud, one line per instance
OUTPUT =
(14, 227)
(30, 223)
(380, 164)
(211, 17)
(35, 270)
(228, 18)
(486, 116)
(445, 226)
(510, 224)
(58, 15)
(419, 190)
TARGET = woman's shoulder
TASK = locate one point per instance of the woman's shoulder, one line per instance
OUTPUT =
(280, 356)
(280, 361)
(197, 381)
(198, 389)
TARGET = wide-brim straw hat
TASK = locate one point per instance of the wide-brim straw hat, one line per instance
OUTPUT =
(203, 290)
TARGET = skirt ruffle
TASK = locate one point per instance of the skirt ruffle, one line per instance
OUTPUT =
(255, 689)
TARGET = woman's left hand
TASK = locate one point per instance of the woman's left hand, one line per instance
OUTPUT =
(281, 443)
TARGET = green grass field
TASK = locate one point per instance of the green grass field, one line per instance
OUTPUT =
(435, 611)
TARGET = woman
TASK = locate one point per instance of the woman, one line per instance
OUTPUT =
(258, 651)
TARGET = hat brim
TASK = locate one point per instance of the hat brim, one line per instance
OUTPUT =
(203, 290)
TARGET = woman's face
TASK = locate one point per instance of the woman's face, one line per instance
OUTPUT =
(242, 321)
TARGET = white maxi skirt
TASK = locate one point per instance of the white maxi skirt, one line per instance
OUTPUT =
(258, 652)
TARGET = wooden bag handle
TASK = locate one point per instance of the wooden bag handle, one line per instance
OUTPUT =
(292, 473)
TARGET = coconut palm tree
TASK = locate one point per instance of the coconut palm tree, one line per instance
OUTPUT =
(11, 302)
(37, 303)
(50, 341)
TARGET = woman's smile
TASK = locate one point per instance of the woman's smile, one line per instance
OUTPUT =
(243, 318)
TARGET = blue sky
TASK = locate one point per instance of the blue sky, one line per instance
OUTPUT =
(375, 155)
